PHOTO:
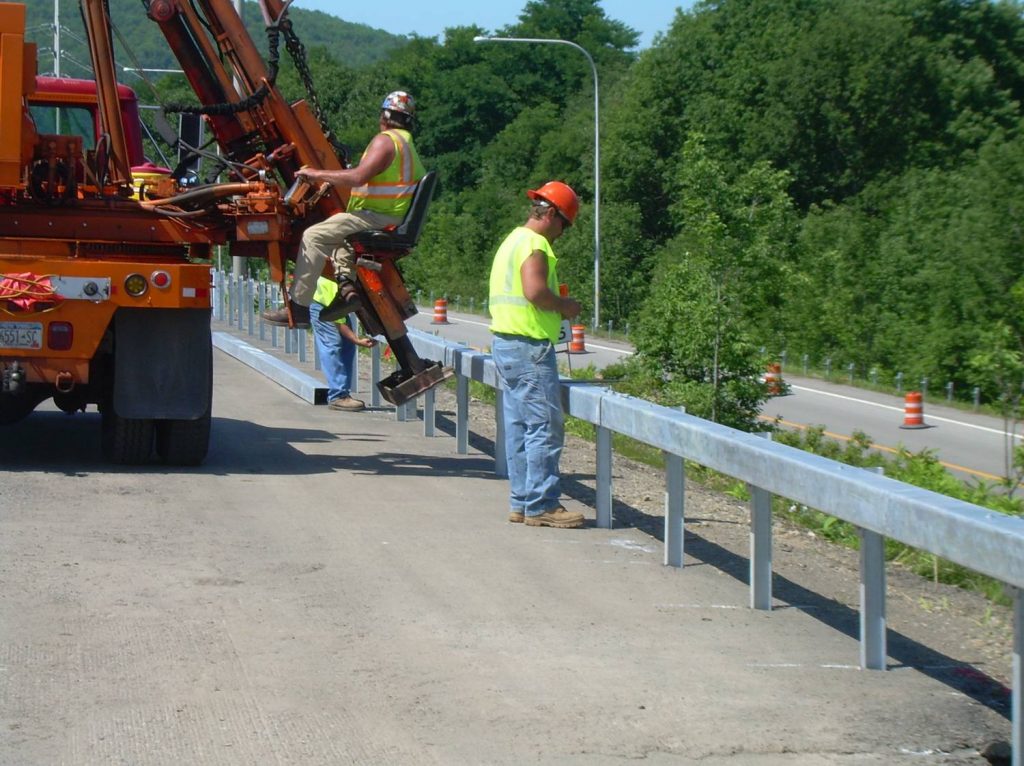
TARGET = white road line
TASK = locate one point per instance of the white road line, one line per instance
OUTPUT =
(590, 344)
(900, 409)
(937, 418)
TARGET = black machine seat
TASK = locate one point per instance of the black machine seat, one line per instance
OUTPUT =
(401, 239)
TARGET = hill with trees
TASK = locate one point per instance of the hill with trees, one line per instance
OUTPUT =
(839, 180)
(361, 45)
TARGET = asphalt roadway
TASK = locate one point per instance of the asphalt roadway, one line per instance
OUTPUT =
(336, 588)
(971, 445)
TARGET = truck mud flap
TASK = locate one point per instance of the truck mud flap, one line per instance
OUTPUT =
(163, 363)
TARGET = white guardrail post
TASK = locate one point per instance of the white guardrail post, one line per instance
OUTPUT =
(603, 477)
(500, 456)
(760, 545)
(461, 412)
(375, 376)
(872, 599)
(429, 413)
(675, 506)
(1017, 682)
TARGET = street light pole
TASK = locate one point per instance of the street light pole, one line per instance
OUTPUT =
(597, 155)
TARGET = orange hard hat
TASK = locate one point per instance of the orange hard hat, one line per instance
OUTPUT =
(561, 196)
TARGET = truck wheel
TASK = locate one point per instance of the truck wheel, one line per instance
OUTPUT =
(126, 441)
(183, 442)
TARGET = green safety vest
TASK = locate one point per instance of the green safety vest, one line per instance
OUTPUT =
(391, 191)
(510, 311)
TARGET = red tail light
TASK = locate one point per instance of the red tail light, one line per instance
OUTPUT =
(60, 336)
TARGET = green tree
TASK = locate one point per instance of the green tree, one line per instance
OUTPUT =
(718, 278)
(999, 371)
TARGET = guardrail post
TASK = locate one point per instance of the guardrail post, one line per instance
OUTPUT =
(429, 413)
(263, 294)
(872, 600)
(250, 314)
(356, 387)
(375, 376)
(461, 413)
(760, 545)
(760, 548)
(240, 303)
(675, 500)
(302, 338)
(1017, 741)
(500, 456)
(603, 478)
(218, 296)
(274, 289)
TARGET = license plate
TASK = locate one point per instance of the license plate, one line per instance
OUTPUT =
(21, 335)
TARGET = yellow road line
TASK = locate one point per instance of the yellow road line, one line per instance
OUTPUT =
(883, 448)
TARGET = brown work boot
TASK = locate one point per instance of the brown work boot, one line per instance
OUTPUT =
(346, 404)
(345, 302)
(300, 316)
(556, 517)
(515, 517)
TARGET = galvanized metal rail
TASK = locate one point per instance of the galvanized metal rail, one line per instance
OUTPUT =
(974, 537)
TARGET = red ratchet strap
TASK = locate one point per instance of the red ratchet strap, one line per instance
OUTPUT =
(27, 293)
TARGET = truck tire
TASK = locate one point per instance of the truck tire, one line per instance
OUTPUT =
(126, 441)
(183, 442)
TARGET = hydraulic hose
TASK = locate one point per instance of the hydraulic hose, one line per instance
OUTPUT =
(203, 195)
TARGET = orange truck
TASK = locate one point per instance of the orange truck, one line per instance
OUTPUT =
(104, 259)
(102, 301)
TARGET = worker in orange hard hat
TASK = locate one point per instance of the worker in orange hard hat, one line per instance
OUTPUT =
(382, 186)
(527, 311)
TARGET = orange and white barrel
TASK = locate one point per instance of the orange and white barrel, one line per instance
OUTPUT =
(773, 379)
(441, 311)
(577, 344)
(913, 411)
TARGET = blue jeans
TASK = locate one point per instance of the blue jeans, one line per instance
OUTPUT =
(337, 355)
(534, 424)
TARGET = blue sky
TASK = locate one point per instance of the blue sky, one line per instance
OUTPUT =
(429, 19)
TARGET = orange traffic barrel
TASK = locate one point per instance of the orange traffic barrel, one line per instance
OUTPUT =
(441, 311)
(913, 411)
(773, 379)
(576, 345)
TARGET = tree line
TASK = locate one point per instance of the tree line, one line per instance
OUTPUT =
(836, 179)
(839, 180)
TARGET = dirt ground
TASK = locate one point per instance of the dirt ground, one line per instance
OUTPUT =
(953, 633)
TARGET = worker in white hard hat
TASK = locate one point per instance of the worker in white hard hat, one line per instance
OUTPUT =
(382, 187)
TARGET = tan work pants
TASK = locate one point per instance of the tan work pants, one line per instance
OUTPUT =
(327, 240)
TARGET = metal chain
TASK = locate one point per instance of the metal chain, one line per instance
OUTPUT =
(297, 51)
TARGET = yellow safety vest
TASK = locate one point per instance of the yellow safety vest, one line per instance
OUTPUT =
(510, 311)
(390, 192)
(326, 289)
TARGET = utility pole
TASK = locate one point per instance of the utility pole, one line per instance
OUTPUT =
(56, 57)
(239, 267)
(56, 39)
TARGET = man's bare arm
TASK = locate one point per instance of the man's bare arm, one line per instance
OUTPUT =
(375, 161)
(534, 273)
